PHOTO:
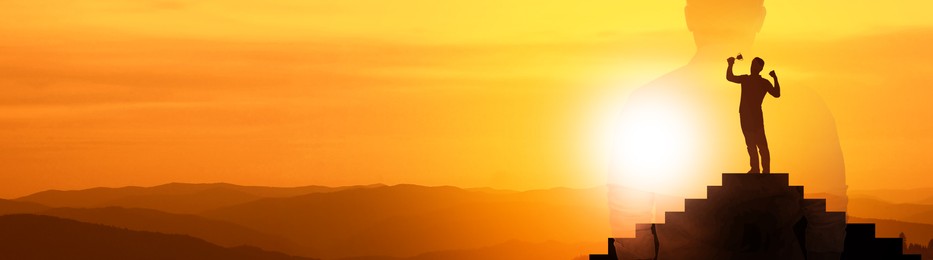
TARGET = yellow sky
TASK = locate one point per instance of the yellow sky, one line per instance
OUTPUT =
(509, 94)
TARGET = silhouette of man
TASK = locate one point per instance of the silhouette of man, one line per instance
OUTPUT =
(754, 88)
(674, 134)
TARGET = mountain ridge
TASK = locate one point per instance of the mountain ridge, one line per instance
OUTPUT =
(150, 220)
(29, 236)
(172, 197)
(432, 218)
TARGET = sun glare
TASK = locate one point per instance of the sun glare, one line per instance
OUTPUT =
(652, 144)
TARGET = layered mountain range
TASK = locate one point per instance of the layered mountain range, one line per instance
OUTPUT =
(383, 222)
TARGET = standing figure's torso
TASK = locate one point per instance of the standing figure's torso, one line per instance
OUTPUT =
(754, 89)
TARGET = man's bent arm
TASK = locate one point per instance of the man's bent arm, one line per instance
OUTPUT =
(729, 76)
(776, 90)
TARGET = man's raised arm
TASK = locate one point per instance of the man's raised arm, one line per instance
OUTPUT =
(776, 90)
(729, 76)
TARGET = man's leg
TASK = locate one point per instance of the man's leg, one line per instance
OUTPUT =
(750, 141)
(763, 149)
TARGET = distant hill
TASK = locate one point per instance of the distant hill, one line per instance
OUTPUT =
(511, 250)
(875, 208)
(927, 201)
(406, 220)
(18, 207)
(896, 196)
(173, 197)
(29, 237)
(870, 208)
(214, 231)
(389, 222)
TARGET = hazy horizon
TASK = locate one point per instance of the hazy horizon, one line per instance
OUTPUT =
(861, 191)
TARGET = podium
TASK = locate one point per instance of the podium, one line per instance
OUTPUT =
(754, 216)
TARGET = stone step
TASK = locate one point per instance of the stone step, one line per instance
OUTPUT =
(837, 217)
(641, 227)
(890, 246)
(695, 205)
(610, 255)
(714, 192)
(675, 217)
(603, 257)
(814, 205)
(732, 180)
(760, 201)
(860, 232)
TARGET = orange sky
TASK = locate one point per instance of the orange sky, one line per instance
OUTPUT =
(510, 94)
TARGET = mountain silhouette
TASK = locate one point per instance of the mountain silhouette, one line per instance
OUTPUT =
(172, 197)
(871, 208)
(15, 207)
(28, 237)
(896, 196)
(549, 250)
(406, 220)
(926, 201)
(387, 222)
(213, 231)
(536, 216)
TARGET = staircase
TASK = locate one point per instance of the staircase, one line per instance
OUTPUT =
(755, 216)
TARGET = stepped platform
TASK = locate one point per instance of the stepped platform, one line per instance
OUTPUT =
(754, 216)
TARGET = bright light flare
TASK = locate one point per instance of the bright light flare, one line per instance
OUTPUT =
(653, 146)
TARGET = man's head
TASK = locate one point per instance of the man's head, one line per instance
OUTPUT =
(724, 22)
(757, 65)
